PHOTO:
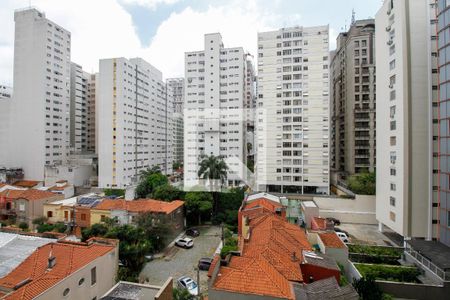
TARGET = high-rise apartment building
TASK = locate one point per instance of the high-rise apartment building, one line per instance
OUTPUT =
(293, 110)
(39, 112)
(175, 86)
(214, 109)
(134, 121)
(91, 120)
(443, 150)
(352, 90)
(79, 108)
(406, 117)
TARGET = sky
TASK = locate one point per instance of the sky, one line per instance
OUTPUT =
(160, 31)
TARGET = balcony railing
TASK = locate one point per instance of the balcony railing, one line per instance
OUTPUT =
(427, 263)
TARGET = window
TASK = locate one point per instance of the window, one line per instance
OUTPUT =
(392, 111)
(393, 125)
(392, 216)
(393, 187)
(22, 207)
(393, 156)
(392, 64)
(393, 140)
(49, 214)
(81, 281)
(392, 200)
(83, 217)
(393, 172)
(66, 292)
(102, 218)
(93, 275)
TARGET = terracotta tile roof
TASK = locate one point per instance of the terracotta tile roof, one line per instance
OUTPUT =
(140, 205)
(26, 183)
(70, 257)
(279, 242)
(36, 194)
(330, 239)
(11, 194)
(318, 223)
(253, 276)
(58, 188)
(213, 265)
(263, 202)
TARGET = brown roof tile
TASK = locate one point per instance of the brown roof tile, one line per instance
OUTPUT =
(330, 239)
(140, 205)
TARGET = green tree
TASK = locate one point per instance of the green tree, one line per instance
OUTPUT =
(148, 184)
(176, 165)
(44, 228)
(97, 229)
(363, 183)
(167, 192)
(367, 288)
(114, 192)
(153, 170)
(198, 204)
(182, 294)
(155, 228)
(214, 169)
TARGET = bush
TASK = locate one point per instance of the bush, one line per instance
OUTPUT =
(375, 250)
(231, 244)
(389, 273)
(363, 184)
(44, 228)
(114, 192)
(23, 225)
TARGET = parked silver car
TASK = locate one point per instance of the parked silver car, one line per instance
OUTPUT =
(185, 243)
(188, 283)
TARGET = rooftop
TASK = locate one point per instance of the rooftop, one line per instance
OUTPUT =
(140, 205)
(263, 195)
(15, 248)
(331, 240)
(73, 200)
(69, 257)
(132, 291)
(27, 183)
(325, 289)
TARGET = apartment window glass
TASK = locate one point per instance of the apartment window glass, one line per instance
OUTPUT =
(393, 187)
(392, 111)
(393, 140)
(393, 172)
(392, 216)
(392, 64)
(93, 275)
(392, 200)
(393, 125)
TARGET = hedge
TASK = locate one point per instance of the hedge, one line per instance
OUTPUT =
(375, 250)
(389, 273)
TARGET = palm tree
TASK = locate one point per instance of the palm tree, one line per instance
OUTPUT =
(214, 169)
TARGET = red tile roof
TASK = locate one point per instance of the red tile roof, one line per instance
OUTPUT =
(253, 276)
(213, 265)
(11, 194)
(140, 205)
(70, 257)
(263, 202)
(58, 188)
(330, 239)
(26, 183)
(36, 195)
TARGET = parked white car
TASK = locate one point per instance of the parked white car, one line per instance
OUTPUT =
(185, 243)
(343, 237)
(188, 283)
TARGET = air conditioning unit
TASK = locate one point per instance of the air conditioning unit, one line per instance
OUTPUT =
(389, 42)
(388, 28)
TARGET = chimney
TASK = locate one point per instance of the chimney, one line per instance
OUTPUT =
(51, 259)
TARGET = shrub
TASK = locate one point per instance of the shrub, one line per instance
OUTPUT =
(114, 192)
(23, 225)
(375, 250)
(389, 273)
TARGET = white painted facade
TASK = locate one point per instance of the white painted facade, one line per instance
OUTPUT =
(405, 56)
(38, 130)
(214, 109)
(175, 87)
(292, 121)
(134, 125)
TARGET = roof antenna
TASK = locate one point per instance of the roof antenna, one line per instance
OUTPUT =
(353, 16)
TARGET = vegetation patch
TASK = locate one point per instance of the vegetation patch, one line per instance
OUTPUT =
(389, 273)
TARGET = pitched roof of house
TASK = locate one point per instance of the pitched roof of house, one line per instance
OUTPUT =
(331, 240)
(36, 194)
(26, 183)
(253, 276)
(280, 242)
(11, 194)
(70, 257)
(263, 202)
(325, 289)
(58, 188)
(140, 205)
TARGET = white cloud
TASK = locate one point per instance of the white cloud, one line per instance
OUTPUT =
(104, 29)
(152, 4)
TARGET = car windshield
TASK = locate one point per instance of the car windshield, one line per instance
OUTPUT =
(192, 285)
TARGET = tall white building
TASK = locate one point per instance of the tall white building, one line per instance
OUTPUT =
(175, 86)
(134, 121)
(91, 120)
(39, 113)
(406, 117)
(80, 97)
(293, 110)
(214, 109)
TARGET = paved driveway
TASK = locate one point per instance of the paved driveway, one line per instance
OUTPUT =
(181, 262)
(365, 234)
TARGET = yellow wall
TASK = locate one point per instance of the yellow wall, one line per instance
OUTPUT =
(97, 214)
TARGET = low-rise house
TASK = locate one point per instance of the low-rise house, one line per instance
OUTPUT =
(30, 203)
(29, 184)
(63, 187)
(64, 270)
(168, 213)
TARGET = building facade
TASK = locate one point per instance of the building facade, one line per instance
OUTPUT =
(406, 117)
(5, 92)
(214, 106)
(175, 86)
(293, 110)
(352, 90)
(443, 197)
(134, 124)
(91, 120)
(41, 94)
